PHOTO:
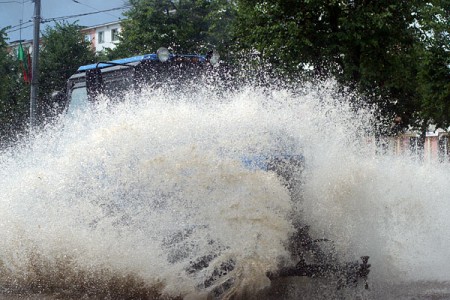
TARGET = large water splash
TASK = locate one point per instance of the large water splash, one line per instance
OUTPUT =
(123, 198)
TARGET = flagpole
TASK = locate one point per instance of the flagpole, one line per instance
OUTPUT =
(35, 64)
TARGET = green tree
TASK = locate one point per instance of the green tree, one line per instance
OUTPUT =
(288, 33)
(378, 54)
(64, 49)
(4, 64)
(434, 63)
(185, 26)
(14, 95)
(221, 20)
(366, 45)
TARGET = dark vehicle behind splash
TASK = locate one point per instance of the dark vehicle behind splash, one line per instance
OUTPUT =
(162, 69)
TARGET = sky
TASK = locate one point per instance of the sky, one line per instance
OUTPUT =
(12, 11)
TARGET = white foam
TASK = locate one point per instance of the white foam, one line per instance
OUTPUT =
(106, 187)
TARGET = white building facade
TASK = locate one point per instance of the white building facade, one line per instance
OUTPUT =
(103, 36)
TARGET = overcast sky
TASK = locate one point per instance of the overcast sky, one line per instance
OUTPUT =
(12, 11)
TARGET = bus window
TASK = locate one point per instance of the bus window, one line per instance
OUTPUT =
(78, 100)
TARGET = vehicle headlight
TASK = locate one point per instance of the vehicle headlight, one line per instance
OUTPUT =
(215, 58)
(163, 54)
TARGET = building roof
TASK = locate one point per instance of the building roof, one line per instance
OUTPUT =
(101, 25)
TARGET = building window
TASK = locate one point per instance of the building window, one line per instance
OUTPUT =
(114, 34)
(101, 37)
(87, 38)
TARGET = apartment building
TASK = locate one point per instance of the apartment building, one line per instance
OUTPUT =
(26, 44)
(100, 36)
(103, 36)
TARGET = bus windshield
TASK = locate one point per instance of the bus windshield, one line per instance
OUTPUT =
(78, 100)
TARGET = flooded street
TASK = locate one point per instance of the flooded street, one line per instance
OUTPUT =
(295, 288)
(161, 196)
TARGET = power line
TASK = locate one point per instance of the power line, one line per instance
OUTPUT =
(9, 31)
(19, 27)
(1, 2)
(15, 26)
(64, 17)
(78, 2)
(81, 15)
(12, 28)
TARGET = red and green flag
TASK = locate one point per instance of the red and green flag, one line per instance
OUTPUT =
(25, 63)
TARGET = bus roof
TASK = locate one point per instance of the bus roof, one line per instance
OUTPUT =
(135, 59)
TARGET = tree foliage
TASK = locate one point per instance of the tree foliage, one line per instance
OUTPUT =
(434, 64)
(367, 45)
(220, 26)
(184, 26)
(14, 94)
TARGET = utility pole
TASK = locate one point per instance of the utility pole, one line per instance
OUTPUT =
(35, 64)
